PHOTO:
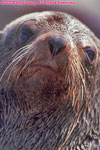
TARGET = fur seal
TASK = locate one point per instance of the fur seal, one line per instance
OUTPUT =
(49, 84)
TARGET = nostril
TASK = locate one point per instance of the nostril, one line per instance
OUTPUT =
(57, 44)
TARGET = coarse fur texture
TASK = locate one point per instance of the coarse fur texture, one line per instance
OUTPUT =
(49, 84)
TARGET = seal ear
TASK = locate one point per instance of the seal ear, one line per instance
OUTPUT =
(1, 33)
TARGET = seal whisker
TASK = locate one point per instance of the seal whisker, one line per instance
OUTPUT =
(22, 49)
(18, 58)
(27, 62)
(14, 63)
(78, 67)
(20, 55)
(15, 59)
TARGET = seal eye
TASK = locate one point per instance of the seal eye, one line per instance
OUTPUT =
(24, 35)
(91, 54)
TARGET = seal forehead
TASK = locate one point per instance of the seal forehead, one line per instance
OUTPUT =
(67, 23)
(44, 18)
(34, 16)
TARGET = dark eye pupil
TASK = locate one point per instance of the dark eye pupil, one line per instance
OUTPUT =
(25, 34)
(91, 54)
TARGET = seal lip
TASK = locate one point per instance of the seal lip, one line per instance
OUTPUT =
(46, 66)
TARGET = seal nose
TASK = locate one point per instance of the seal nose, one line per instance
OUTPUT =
(57, 44)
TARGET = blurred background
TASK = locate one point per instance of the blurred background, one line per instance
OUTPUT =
(88, 11)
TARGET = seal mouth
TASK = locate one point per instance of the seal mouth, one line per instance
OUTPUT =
(48, 67)
(40, 72)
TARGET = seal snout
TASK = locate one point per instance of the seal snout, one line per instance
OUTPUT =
(51, 50)
(57, 44)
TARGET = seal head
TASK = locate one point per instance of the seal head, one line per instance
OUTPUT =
(49, 84)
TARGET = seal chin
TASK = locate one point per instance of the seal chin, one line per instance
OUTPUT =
(40, 87)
